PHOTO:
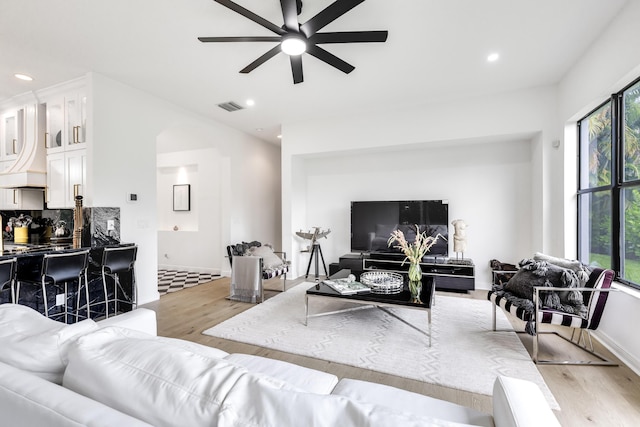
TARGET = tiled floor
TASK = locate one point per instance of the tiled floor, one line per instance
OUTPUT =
(173, 281)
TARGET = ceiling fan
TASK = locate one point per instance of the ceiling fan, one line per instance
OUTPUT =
(294, 38)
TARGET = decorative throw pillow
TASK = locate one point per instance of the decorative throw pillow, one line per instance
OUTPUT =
(582, 272)
(269, 259)
(35, 343)
(542, 274)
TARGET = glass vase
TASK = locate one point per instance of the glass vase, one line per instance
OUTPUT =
(415, 282)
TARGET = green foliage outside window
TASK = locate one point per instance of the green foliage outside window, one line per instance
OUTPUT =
(597, 173)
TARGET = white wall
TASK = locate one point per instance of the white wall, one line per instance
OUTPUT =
(200, 227)
(468, 175)
(126, 124)
(610, 64)
(451, 149)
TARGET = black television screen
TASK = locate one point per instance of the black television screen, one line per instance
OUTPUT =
(373, 221)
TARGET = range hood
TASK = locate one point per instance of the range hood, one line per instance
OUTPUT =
(29, 169)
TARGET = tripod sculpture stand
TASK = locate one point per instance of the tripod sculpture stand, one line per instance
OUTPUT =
(315, 250)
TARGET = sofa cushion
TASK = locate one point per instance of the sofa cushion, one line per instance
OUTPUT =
(140, 319)
(162, 381)
(306, 379)
(27, 400)
(408, 402)
(249, 405)
(35, 343)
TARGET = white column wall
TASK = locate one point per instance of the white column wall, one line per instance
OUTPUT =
(125, 125)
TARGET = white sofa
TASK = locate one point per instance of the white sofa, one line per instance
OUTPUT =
(117, 372)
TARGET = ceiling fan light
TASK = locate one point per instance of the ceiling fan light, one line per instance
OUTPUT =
(293, 45)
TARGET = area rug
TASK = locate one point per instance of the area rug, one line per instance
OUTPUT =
(465, 353)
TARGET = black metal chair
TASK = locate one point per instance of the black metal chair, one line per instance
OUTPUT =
(116, 262)
(58, 271)
(8, 277)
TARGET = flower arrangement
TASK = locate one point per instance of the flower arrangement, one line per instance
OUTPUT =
(413, 252)
(21, 221)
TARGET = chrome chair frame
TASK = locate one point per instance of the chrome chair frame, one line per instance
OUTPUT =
(584, 334)
(9, 279)
(113, 268)
(579, 326)
(54, 279)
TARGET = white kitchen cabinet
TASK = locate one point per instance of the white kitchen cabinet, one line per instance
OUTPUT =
(76, 120)
(21, 199)
(76, 178)
(55, 133)
(66, 121)
(66, 143)
(66, 177)
(55, 193)
(13, 128)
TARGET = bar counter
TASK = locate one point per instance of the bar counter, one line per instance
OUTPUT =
(29, 259)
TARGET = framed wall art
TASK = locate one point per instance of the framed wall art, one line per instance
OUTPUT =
(182, 197)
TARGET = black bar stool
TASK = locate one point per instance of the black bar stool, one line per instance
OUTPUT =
(58, 270)
(8, 276)
(116, 262)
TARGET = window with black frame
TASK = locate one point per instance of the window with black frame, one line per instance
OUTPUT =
(609, 185)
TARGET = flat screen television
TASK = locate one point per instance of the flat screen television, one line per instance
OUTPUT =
(373, 221)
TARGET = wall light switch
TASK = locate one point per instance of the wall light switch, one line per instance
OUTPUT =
(59, 299)
(111, 225)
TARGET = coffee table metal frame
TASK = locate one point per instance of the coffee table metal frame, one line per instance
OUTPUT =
(372, 300)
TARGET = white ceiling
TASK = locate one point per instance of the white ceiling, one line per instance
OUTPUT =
(436, 49)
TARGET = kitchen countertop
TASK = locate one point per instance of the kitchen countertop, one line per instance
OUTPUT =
(11, 248)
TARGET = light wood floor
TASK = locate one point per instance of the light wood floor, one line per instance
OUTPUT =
(588, 395)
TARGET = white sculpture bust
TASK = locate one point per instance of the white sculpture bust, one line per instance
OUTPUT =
(459, 235)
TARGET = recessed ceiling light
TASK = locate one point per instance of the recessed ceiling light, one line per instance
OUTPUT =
(493, 57)
(279, 136)
(259, 129)
(251, 102)
(23, 77)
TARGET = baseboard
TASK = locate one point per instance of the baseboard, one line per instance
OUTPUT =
(627, 358)
(214, 271)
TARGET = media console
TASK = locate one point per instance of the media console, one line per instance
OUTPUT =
(449, 274)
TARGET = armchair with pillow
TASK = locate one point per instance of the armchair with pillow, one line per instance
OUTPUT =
(251, 264)
(554, 291)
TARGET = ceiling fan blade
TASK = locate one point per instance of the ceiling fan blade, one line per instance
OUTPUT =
(290, 15)
(296, 68)
(261, 60)
(241, 39)
(350, 37)
(252, 16)
(330, 59)
(328, 15)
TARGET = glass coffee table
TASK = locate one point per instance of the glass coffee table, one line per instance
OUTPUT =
(374, 300)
